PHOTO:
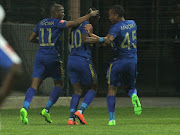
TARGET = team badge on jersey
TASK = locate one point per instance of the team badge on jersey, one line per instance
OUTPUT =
(62, 21)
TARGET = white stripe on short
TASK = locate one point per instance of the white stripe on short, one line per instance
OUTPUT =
(6, 48)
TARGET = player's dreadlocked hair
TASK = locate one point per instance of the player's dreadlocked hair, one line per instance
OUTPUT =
(93, 19)
(117, 9)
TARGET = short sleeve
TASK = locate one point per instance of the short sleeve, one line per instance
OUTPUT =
(36, 30)
(61, 24)
(113, 31)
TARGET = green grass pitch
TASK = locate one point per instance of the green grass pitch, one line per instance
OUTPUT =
(152, 121)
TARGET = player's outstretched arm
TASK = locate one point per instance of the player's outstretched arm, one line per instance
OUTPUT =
(89, 28)
(94, 38)
(110, 37)
(89, 40)
(34, 38)
(78, 21)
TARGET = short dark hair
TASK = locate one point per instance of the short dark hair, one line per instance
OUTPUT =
(118, 9)
(54, 8)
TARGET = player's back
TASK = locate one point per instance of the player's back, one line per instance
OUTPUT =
(124, 44)
(80, 67)
(78, 48)
(49, 31)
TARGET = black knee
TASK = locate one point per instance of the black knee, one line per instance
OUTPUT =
(59, 83)
(78, 91)
(94, 87)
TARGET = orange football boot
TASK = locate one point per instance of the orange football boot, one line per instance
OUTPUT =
(80, 117)
(71, 122)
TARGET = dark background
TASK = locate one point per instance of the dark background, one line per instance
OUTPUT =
(158, 23)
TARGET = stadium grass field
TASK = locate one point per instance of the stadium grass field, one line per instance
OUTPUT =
(152, 121)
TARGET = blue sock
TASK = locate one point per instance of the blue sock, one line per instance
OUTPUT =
(88, 98)
(28, 98)
(131, 92)
(53, 97)
(49, 105)
(74, 104)
(111, 101)
(111, 116)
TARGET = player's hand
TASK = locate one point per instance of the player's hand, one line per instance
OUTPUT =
(94, 13)
(89, 28)
(107, 40)
(101, 44)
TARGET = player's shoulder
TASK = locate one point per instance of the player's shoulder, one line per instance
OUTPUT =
(130, 21)
(116, 26)
(60, 21)
(84, 23)
(46, 21)
(127, 23)
(51, 21)
(81, 26)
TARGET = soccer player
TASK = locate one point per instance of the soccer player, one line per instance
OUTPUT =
(47, 62)
(81, 70)
(10, 61)
(123, 69)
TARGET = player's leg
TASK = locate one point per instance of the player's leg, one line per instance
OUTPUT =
(39, 72)
(73, 71)
(55, 94)
(111, 101)
(113, 80)
(10, 61)
(88, 78)
(135, 101)
(88, 98)
(132, 92)
(55, 70)
(10, 81)
(129, 80)
(74, 103)
(36, 82)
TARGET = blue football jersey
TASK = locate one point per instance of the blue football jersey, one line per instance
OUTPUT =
(124, 44)
(78, 48)
(49, 31)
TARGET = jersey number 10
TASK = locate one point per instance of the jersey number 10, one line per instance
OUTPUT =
(74, 39)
